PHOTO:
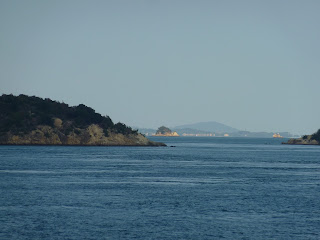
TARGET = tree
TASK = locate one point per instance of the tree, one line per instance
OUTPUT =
(163, 130)
(316, 136)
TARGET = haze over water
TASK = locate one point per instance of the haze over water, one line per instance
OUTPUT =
(204, 188)
(252, 65)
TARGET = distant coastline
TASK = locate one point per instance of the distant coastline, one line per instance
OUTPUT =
(216, 131)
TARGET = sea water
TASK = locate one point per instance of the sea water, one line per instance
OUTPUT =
(203, 188)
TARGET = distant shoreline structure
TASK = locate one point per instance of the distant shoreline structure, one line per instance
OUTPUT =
(215, 129)
(173, 134)
(277, 135)
(198, 135)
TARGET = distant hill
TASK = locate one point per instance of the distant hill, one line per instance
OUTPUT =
(181, 131)
(195, 132)
(209, 127)
(166, 132)
(37, 121)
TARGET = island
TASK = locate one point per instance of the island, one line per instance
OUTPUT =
(30, 120)
(165, 132)
(313, 139)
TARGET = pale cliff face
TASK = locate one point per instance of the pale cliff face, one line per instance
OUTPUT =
(92, 136)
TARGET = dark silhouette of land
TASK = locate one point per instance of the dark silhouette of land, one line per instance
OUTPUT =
(33, 120)
(313, 139)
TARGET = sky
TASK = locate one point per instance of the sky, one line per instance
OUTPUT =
(252, 65)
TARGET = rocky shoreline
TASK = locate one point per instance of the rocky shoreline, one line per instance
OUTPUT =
(305, 140)
(91, 136)
(30, 120)
(300, 141)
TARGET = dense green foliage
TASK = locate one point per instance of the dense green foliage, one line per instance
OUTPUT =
(316, 136)
(22, 114)
(163, 130)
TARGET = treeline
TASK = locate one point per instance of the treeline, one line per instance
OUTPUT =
(22, 114)
(163, 130)
(315, 136)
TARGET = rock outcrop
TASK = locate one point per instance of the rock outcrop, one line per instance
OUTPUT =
(301, 141)
(313, 139)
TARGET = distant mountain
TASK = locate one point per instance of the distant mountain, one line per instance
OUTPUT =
(220, 130)
(209, 127)
(181, 131)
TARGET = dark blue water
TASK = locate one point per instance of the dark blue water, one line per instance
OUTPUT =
(204, 188)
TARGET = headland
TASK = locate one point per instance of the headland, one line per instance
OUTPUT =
(26, 120)
(313, 139)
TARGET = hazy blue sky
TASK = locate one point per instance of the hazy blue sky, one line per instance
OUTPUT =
(253, 65)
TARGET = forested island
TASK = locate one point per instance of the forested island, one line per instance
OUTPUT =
(313, 139)
(165, 132)
(26, 120)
